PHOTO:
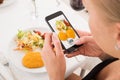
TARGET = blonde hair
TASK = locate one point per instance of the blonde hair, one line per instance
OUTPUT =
(110, 8)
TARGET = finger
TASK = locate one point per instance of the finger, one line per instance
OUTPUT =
(83, 33)
(47, 48)
(84, 39)
(57, 44)
(48, 40)
(73, 54)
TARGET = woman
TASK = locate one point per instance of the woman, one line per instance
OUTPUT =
(105, 38)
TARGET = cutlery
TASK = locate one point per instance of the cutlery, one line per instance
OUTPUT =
(4, 73)
(2, 77)
(6, 68)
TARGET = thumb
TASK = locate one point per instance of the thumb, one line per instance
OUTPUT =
(83, 40)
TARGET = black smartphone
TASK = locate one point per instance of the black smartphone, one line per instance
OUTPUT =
(59, 24)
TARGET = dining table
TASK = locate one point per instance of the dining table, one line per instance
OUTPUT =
(24, 14)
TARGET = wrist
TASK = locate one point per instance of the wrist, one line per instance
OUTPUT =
(57, 78)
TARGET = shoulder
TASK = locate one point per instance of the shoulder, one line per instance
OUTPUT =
(110, 72)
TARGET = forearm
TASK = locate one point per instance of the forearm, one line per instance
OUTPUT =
(105, 56)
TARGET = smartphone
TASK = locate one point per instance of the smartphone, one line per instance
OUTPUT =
(59, 24)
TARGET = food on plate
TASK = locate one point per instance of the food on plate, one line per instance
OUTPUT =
(62, 36)
(29, 40)
(65, 31)
(32, 60)
(70, 33)
(1, 1)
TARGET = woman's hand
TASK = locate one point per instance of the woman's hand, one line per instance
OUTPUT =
(89, 48)
(53, 59)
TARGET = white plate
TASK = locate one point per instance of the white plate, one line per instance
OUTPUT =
(16, 56)
(6, 3)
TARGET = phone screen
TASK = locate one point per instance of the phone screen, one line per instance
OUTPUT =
(64, 30)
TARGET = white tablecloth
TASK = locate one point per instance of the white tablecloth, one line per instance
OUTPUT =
(19, 16)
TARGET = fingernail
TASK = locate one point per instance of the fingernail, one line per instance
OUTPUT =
(54, 35)
(77, 42)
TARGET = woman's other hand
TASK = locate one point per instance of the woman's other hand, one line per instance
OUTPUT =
(53, 59)
(89, 48)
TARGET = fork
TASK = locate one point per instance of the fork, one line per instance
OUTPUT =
(7, 65)
(4, 62)
(2, 77)
(4, 74)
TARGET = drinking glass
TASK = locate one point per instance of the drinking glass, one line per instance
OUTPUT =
(34, 13)
(76, 4)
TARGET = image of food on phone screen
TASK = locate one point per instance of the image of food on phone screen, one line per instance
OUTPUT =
(64, 31)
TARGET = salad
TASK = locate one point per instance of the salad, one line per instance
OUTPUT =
(29, 40)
